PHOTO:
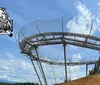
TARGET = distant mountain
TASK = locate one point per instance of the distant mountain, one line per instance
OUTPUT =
(6, 81)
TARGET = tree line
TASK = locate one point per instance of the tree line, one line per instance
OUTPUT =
(19, 84)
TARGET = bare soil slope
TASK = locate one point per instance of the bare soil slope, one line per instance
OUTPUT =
(90, 80)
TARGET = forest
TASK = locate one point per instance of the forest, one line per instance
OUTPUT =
(18, 83)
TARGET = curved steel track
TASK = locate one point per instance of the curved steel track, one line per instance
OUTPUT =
(51, 38)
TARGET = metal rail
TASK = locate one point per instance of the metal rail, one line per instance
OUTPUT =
(56, 38)
(62, 63)
(30, 43)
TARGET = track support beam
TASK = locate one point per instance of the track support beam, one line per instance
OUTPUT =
(65, 62)
(36, 71)
(86, 69)
(43, 74)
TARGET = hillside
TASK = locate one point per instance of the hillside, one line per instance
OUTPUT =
(90, 80)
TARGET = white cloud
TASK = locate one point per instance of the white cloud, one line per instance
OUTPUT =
(19, 70)
(3, 77)
(76, 57)
(74, 71)
(82, 22)
(12, 67)
(9, 55)
(99, 3)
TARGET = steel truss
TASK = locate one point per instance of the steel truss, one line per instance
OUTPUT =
(51, 38)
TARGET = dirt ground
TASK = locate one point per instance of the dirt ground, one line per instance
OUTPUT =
(90, 80)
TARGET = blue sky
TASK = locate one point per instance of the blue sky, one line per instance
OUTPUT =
(16, 67)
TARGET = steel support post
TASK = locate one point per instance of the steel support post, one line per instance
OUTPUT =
(45, 81)
(86, 69)
(65, 62)
(36, 71)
